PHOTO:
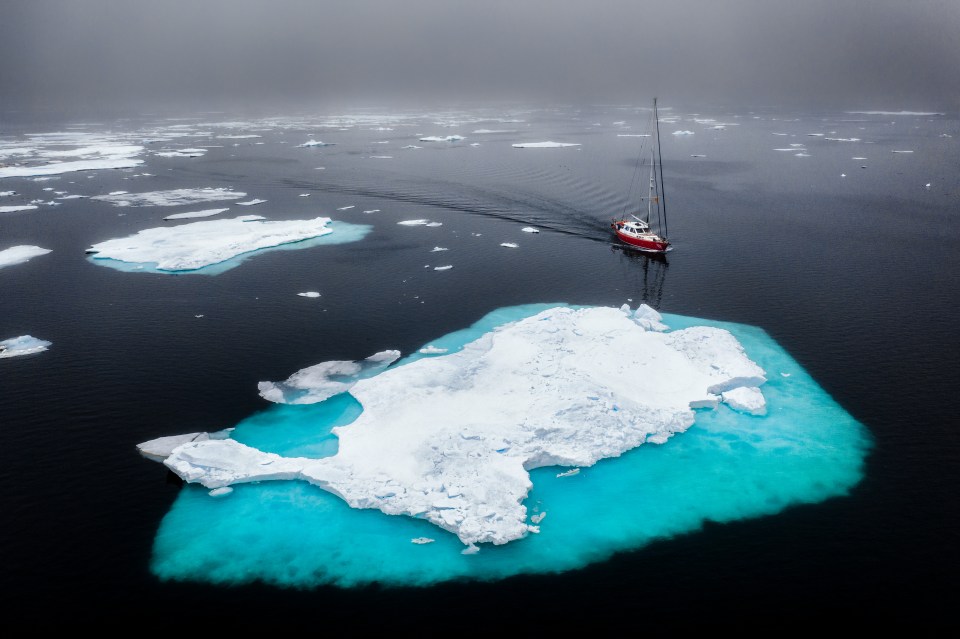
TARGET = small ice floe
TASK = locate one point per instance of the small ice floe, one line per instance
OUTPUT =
(903, 151)
(785, 374)
(746, 399)
(927, 186)
(381, 157)
(432, 350)
(71, 197)
(472, 549)
(437, 249)
(815, 135)
(443, 268)
(175, 197)
(20, 254)
(510, 244)
(7, 193)
(633, 135)
(321, 381)
(309, 294)
(304, 195)
(538, 517)
(434, 224)
(530, 229)
(785, 150)
(682, 132)
(843, 139)
(193, 214)
(414, 222)
(437, 138)
(312, 142)
(23, 345)
(421, 540)
(569, 473)
(199, 316)
(543, 145)
(182, 153)
(411, 146)
(223, 491)
(372, 211)
(346, 208)
(802, 155)
(252, 202)
(858, 159)
(14, 209)
(843, 175)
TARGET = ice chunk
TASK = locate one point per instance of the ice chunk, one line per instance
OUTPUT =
(309, 294)
(414, 222)
(317, 383)
(175, 197)
(510, 244)
(747, 399)
(312, 142)
(193, 214)
(252, 202)
(15, 209)
(543, 145)
(23, 345)
(530, 229)
(20, 254)
(436, 138)
(443, 268)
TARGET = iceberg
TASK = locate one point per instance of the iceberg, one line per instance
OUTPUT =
(191, 246)
(806, 449)
(510, 244)
(452, 438)
(320, 381)
(23, 345)
(20, 254)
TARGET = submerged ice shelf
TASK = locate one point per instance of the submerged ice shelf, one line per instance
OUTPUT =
(454, 436)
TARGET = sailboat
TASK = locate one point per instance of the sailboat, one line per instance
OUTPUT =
(648, 233)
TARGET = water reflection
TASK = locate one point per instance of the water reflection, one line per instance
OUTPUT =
(644, 274)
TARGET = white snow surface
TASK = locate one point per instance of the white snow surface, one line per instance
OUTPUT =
(452, 438)
(198, 244)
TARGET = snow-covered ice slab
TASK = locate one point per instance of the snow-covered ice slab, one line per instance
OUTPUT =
(437, 138)
(23, 345)
(195, 245)
(175, 197)
(452, 438)
(20, 254)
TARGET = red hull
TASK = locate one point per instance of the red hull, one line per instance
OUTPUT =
(644, 244)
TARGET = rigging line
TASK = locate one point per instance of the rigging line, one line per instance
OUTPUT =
(660, 159)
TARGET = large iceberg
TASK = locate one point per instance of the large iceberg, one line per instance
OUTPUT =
(452, 438)
(195, 245)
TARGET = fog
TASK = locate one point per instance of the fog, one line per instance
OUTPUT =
(74, 54)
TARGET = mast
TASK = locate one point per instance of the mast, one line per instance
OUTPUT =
(663, 195)
(652, 186)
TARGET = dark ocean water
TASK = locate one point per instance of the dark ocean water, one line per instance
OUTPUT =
(853, 271)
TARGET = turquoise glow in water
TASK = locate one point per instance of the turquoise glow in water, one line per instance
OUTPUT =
(343, 232)
(727, 466)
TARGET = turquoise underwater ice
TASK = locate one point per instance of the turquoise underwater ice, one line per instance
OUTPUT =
(727, 466)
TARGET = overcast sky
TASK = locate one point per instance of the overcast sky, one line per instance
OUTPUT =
(858, 53)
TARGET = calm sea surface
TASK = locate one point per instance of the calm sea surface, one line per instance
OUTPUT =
(851, 265)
